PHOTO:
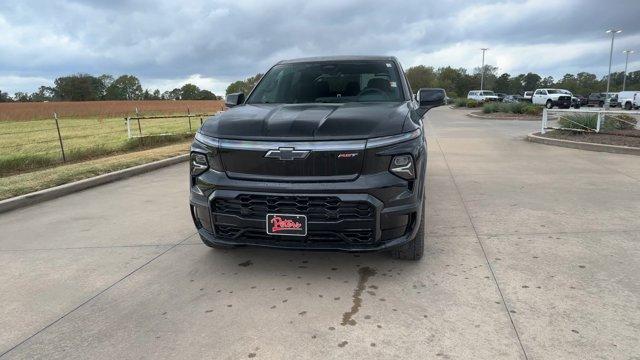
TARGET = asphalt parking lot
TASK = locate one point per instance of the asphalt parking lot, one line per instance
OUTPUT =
(532, 252)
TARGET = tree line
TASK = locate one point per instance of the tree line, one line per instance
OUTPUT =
(458, 81)
(84, 87)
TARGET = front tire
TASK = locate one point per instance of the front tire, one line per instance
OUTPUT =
(414, 249)
(627, 106)
(549, 104)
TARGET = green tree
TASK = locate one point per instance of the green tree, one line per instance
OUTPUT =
(44, 93)
(206, 95)
(21, 97)
(189, 92)
(4, 97)
(490, 76)
(569, 82)
(421, 77)
(175, 94)
(547, 82)
(78, 87)
(516, 84)
(125, 87)
(588, 83)
(454, 81)
(531, 81)
(244, 86)
(503, 84)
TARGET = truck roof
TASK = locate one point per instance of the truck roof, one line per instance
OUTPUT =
(338, 58)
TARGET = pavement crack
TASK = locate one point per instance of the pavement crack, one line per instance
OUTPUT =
(364, 273)
(96, 295)
(475, 231)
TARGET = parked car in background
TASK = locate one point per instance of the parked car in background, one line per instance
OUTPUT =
(629, 99)
(527, 96)
(501, 96)
(513, 98)
(600, 99)
(575, 102)
(551, 98)
(583, 99)
(482, 95)
(596, 99)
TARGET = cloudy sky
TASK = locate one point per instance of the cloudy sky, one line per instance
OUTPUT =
(167, 43)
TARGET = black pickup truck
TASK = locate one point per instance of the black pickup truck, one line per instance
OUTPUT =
(323, 154)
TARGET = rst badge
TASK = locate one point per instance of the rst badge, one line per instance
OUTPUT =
(347, 155)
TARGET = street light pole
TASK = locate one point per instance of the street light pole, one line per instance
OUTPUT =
(626, 62)
(482, 69)
(613, 33)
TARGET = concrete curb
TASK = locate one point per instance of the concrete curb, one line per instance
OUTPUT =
(502, 118)
(616, 149)
(61, 190)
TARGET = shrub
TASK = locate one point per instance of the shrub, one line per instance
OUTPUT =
(531, 109)
(590, 121)
(516, 108)
(578, 121)
(472, 103)
(619, 122)
(460, 102)
(512, 108)
(488, 108)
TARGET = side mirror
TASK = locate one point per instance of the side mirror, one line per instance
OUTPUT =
(234, 99)
(435, 99)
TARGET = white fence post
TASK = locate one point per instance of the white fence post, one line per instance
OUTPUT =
(128, 127)
(544, 121)
(599, 122)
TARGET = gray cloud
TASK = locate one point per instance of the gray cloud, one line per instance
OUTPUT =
(166, 41)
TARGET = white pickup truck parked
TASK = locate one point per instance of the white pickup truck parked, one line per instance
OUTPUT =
(482, 95)
(629, 99)
(552, 97)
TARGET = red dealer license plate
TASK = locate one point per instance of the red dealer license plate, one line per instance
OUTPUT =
(286, 224)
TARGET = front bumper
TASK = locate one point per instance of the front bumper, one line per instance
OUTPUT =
(371, 213)
(562, 103)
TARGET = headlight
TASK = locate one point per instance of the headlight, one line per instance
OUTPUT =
(402, 166)
(207, 140)
(199, 163)
(390, 140)
(208, 147)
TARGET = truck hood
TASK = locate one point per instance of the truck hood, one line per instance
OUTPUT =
(305, 122)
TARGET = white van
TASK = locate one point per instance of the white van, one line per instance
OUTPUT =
(482, 95)
(629, 99)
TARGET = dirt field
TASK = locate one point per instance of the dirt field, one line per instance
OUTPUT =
(92, 129)
(93, 109)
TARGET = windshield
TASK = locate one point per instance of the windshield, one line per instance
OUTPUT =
(329, 82)
(488, 93)
(432, 95)
(554, 91)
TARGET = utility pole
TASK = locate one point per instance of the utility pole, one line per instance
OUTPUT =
(626, 63)
(613, 33)
(482, 69)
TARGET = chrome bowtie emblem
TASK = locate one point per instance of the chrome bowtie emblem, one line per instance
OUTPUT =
(287, 153)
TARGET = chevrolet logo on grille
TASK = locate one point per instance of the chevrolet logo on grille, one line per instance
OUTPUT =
(287, 153)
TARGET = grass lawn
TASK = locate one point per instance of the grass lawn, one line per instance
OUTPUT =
(20, 184)
(34, 145)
